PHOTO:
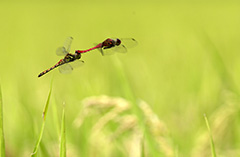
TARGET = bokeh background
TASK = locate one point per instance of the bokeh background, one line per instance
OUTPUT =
(186, 65)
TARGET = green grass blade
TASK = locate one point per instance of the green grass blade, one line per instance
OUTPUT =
(2, 143)
(210, 134)
(47, 104)
(34, 153)
(63, 136)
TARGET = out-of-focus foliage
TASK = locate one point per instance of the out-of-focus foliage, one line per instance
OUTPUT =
(186, 65)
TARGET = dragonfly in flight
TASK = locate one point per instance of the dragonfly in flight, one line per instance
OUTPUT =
(111, 45)
(67, 63)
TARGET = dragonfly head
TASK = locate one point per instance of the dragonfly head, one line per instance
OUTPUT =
(77, 55)
(118, 41)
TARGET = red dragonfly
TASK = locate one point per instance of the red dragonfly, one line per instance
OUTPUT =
(68, 62)
(111, 45)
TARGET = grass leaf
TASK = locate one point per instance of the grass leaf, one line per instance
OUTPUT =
(210, 134)
(2, 143)
(63, 136)
(34, 153)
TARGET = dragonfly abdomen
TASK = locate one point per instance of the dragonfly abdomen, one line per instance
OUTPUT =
(46, 71)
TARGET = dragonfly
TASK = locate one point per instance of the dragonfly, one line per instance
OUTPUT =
(111, 45)
(68, 62)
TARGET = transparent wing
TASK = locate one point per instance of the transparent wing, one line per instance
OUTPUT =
(129, 42)
(121, 48)
(77, 63)
(107, 51)
(112, 50)
(101, 51)
(67, 43)
(61, 51)
(65, 69)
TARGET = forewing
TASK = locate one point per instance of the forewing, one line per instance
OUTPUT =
(68, 43)
(61, 51)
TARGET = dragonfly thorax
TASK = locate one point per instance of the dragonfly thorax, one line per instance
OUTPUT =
(71, 57)
(77, 55)
(109, 43)
(114, 42)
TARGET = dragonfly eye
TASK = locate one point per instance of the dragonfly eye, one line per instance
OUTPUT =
(78, 55)
(118, 42)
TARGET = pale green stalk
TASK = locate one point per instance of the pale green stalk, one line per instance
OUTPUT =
(211, 138)
(63, 136)
(2, 143)
(34, 153)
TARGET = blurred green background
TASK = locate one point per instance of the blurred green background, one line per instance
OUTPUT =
(186, 64)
